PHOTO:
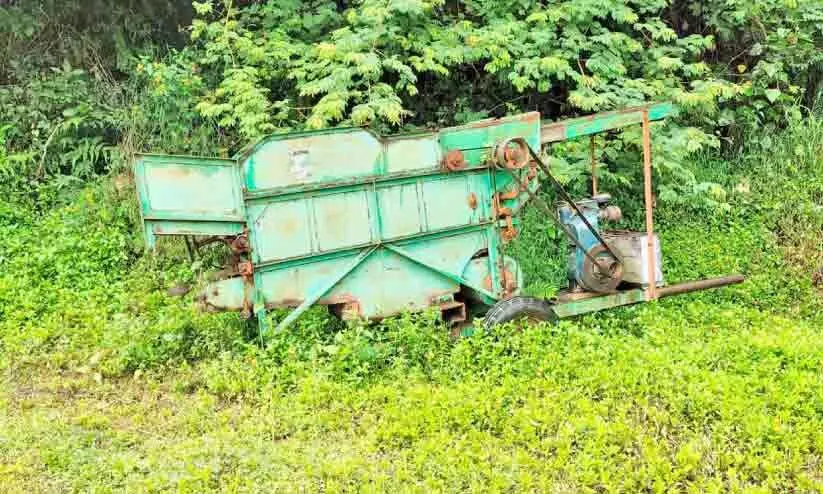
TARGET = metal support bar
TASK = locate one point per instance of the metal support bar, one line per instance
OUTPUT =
(598, 303)
(457, 279)
(594, 166)
(318, 293)
(637, 295)
(647, 189)
(565, 130)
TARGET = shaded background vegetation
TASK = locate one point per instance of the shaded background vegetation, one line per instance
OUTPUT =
(85, 84)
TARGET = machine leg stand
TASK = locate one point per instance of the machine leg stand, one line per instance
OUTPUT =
(151, 239)
(262, 321)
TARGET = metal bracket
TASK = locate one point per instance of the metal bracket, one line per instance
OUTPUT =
(327, 285)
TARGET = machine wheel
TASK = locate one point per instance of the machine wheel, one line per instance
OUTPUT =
(530, 308)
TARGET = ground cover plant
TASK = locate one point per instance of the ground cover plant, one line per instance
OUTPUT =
(109, 384)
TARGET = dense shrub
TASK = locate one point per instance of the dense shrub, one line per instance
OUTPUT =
(89, 85)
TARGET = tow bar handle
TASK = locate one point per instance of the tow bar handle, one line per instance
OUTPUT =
(693, 286)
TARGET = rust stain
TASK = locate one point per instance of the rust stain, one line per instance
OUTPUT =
(454, 160)
(473, 200)
(509, 195)
(501, 211)
(284, 303)
(175, 171)
(453, 312)
(246, 269)
(513, 156)
(340, 298)
(344, 305)
(512, 153)
(436, 298)
(508, 282)
(288, 226)
(240, 243)
(509, 232)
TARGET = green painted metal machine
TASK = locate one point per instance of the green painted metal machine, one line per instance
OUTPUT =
(373, 226)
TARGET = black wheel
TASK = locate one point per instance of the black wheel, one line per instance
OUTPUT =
(531, 309)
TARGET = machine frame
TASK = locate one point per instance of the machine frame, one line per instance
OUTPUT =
(372, 226)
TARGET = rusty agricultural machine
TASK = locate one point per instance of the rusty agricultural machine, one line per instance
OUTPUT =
(372, 226)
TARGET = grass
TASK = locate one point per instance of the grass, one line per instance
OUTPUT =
(109, 385)
(696, 399)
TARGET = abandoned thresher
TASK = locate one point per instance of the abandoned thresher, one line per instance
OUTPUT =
(372, 226)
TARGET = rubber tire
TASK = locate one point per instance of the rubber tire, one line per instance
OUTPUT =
(516, 308)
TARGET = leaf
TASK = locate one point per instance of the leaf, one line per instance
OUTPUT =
(756, 50)
(772, 95)
(202, 8)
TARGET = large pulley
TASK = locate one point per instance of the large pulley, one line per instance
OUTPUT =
(603, 277)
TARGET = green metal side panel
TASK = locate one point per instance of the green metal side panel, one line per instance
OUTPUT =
(278, 162)
(184, 195)
(386, 283)
(291, 226)
(188, 188)
(412, 153)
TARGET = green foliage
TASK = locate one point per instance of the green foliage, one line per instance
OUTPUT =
(73, 288)
(373, 56)
(773, 49)
(251, 68)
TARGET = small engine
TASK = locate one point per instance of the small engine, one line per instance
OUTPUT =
(627, 261)
(583, 272)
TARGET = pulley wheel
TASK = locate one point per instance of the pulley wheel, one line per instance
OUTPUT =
(594, 279)
(512, 153)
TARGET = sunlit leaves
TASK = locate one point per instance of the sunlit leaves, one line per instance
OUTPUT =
(240, 101)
